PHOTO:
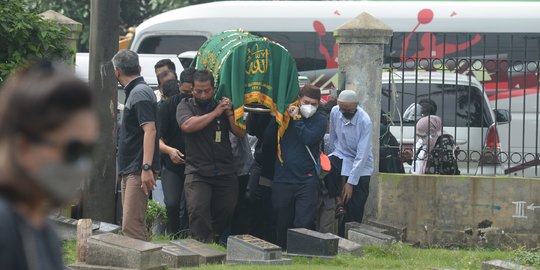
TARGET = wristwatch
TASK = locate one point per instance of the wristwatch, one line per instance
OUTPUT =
(146, 167)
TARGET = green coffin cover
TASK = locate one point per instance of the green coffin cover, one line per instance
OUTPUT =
(251, 69)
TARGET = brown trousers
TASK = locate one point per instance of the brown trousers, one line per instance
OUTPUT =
(134, 204)
(210, 202)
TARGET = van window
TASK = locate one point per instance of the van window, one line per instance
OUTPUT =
(171, 44)
(463, 106)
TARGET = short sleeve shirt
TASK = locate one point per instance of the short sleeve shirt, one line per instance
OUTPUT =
(140, 109)
(208, 151)
(170, 132)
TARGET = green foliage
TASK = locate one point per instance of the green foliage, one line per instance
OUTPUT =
(24, 35)
(155, 211)
(132, 12)
(528, 258)
(70, 251)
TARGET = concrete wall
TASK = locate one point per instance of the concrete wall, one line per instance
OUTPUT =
(446, 210)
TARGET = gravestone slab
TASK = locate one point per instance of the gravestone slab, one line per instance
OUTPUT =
(370, 238)
(346, 246)
(207, 254)
(247, 249)
(175, 256)
(397, 231)
(120, 251)
(84, 266)
(354, 224)
(66, 228)
(304, 242)
(503, 265)
(104, 227)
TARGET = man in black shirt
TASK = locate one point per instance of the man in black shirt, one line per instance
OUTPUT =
(211, 185)
(138, 148)
(172, 145)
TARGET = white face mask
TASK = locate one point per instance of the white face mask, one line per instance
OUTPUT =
(308, 111)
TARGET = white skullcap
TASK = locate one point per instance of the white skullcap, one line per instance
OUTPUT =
(348, 96)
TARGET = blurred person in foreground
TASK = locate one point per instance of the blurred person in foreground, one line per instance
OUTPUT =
(47, 132)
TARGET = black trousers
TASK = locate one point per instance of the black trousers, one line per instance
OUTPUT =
(211, 201)
(261, 212)
(175, 201)
(355, 205)
(333, 181)
(295, 206)
(240, 220)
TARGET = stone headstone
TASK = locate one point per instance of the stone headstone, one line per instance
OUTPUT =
(503, 265)
(84, 266)
(247, 249)
(207, 254)
(397, 231)
(354, 224)
(304, 242)
(175, 256)
(121, 251)
(84, 231)
(369, 238)
(346, 246)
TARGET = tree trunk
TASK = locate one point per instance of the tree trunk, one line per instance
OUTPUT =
(98, 202)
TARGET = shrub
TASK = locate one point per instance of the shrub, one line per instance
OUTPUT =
(25, 35)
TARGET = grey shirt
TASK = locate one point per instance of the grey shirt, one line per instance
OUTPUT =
(140, 108)
(208, 151)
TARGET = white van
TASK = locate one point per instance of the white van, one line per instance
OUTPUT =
(496, 42)
(463, 107)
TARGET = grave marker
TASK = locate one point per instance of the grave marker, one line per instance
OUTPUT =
(207, 254)
(247, 249)
(304, 242)
(120, 251)
(366, 237)
(175, 256)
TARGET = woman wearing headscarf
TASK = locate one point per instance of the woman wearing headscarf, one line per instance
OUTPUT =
(434, 148)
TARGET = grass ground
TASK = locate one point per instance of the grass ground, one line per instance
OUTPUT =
(397, 256)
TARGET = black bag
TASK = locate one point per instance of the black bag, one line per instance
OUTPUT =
(442, 158)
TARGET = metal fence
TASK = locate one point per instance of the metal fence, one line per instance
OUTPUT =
(484, 87)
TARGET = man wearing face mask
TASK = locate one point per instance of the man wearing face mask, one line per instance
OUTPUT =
(48, 128)
(351, 156)
(295, 187)
(211, 185)
(138, 147)
(172, 144)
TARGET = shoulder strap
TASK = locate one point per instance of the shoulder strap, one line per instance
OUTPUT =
(311, 155)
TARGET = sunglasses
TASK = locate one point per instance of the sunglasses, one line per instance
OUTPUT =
(73, 150)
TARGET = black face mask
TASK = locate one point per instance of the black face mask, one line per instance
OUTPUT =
(204, 105)
(348, 114)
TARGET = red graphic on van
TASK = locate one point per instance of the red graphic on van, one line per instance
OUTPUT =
(430, 47)
(331, 60)
(492, 71)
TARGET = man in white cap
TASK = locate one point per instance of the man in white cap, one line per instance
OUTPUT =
(351, 157)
